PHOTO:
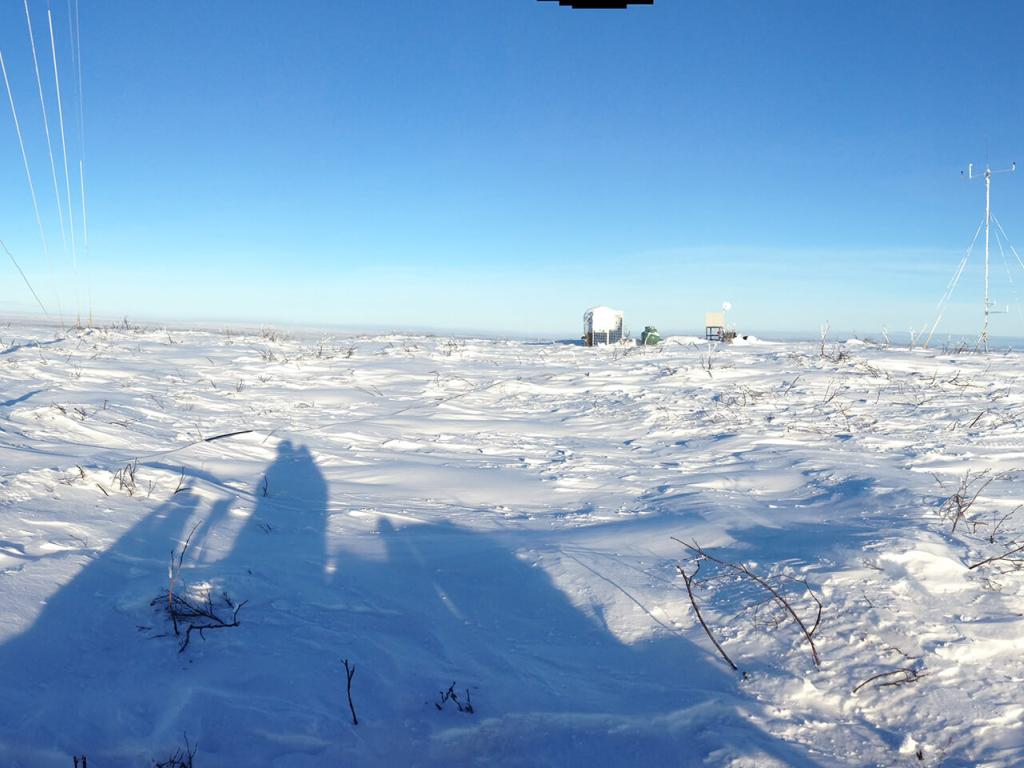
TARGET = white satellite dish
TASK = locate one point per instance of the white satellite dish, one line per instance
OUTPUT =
(726, 306)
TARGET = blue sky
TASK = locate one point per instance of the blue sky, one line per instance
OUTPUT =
(501, 165)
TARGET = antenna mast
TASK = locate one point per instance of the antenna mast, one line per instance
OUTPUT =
(988, 220)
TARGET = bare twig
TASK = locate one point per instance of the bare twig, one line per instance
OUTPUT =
(181, 483)
(910, 675)
(187, 540)
(349, 673)
(180, 758)
(451, 695)
(689, 590)
(789, 387)
(994, 558)
(226, 434)
(959, 504)
(215, 621)
(779, 599)
(999, 524)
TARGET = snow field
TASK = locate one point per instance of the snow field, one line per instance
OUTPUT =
(499, 514)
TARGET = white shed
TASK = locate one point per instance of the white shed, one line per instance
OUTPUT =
(602, 325)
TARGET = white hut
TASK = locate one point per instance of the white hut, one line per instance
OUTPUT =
(715, 326)
(602, 325)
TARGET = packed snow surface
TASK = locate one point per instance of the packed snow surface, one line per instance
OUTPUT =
(484, 529)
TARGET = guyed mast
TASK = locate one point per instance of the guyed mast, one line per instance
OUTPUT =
(986, 223)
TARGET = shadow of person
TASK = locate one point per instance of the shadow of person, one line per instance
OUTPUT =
(99, 671)
(84, 664)
(273, 675)
(284, 540)
(549, 684)
(431, 604)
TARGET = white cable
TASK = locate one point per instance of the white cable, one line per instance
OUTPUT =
(53, 165)
(23, 277)
(1006, 266)
(46, 126)
(942, 310)
(952, 286)
(956, 276)
(64, 146)
(28, 175)
(81, 161)
(1012, 249)
(81, 123)
(1016, 295)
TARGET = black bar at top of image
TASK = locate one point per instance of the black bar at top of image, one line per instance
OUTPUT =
(621, 4)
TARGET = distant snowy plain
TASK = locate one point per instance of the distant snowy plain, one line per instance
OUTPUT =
(499, 515)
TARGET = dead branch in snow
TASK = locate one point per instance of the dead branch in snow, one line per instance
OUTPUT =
(125, 477)
(198, 613)
(910, 675)
(790, 385)
(837, 355)
(999, 524)
(196, 609)
(832, 389)
(450, 695)
(957, 506)
(184, 547)
(349, 674)
(182, 758)
(226, 434)
(780, 600)
(706, 362)
(688, 579)
(1016, 562)
(181, 483)
(871, 370)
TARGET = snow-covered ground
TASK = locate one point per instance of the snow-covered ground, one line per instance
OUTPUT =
(499, 515)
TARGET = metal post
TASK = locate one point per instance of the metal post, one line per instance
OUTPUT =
(988, 218)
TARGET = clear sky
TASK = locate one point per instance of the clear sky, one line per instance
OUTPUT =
(501, 165)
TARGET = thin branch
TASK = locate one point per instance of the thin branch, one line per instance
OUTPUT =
(992, 559)
(226, 434)
(181, 483)
(187, 540)
(814, 597)
(782, 602)
(910, 675)
(696, 610)
(215, 622)
(349, 673)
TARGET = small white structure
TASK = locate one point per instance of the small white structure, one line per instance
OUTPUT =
(602, 325)
(715, 327)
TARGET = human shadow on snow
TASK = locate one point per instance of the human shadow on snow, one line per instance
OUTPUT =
(415, 608)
